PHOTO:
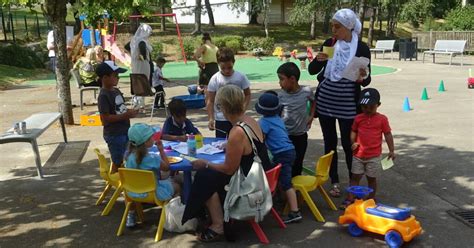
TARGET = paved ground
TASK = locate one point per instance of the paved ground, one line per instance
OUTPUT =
(433, 173)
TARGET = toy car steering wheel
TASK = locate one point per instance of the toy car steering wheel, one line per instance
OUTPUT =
(359, 191)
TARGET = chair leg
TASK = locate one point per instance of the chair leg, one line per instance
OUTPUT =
(161, 224)
(423, 57)
(286, 210)
(278, 218)
(312, 206)
(124, 218)
(327, 198)
(258, 230)
(139, 211)
(104, 193)
(383, 55)
(112, 200)
(80, 96)
(450, 59)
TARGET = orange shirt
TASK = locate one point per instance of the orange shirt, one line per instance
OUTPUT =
(369, 131)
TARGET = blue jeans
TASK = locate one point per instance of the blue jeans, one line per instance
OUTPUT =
(286, 159)
(117, 146)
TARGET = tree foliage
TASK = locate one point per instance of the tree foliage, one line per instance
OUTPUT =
(416, 11)
(460, 18)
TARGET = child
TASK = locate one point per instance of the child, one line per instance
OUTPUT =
(113, 113)
(297, 120)
(140, 136)
(157, 82)
(366, 138)
(227, 75)
(177, 125)
(283, 151)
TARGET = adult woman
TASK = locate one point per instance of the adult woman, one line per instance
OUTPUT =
(336, 97)
(206, 57)
(140, 50)
(99, 52)
(208, 186)
(86, 66)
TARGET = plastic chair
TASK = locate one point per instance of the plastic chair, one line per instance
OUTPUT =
(305, 184)
(140, 181)
(112, 181)
(158, 94)
(81, 87)
(272, 178)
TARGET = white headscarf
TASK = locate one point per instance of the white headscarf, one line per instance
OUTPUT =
(343, 51)
(142, 34)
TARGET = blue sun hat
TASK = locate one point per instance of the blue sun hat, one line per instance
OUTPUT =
(139, 133)
(268, 105)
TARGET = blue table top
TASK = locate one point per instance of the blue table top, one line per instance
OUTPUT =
(185, 165)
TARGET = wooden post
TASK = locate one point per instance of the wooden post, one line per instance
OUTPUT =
(26, 26)
(13, 28)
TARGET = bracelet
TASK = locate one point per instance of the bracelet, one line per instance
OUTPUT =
(207, 165)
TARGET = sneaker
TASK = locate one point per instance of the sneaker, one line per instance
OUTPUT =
(131, 222)
(293, 216)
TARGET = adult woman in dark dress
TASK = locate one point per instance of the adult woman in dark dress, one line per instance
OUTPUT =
(336, 97)
(207, 190)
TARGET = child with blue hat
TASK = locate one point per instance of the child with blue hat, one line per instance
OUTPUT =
(281, 147)
(140, 136)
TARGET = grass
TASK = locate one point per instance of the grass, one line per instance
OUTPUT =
(11, 75)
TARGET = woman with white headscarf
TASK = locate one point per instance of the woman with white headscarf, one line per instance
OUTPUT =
(336, 97)
(140, 50)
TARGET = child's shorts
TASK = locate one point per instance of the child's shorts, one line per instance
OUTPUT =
(370, 167)
(286, 159)
(117, 146)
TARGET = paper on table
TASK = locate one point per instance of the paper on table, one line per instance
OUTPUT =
(181, 147)
(352, 69)
(387, 163)
(209, 149)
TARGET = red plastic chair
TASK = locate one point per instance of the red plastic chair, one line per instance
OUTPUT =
(272, 178)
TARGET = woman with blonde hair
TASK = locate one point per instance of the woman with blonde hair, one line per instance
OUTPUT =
(86, 66)
(207, 190)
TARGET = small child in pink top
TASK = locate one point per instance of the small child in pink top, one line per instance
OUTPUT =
(366, 138)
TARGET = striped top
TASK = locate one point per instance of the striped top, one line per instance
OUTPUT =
(337, 99)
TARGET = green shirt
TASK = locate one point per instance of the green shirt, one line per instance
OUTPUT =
(86, 70)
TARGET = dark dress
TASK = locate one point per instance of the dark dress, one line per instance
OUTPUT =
(207, 182)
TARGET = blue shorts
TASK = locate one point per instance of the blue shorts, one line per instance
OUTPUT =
(286, 159)
(117, 146)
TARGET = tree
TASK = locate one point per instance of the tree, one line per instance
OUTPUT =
(416, 11)
(209, 13)
(305, 11)
(197, 17)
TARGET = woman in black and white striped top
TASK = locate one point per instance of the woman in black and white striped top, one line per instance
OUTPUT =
(336, 96)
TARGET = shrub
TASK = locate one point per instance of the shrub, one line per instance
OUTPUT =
(189, 44)
(234, 45)
(232, 41)
(460, 19)
(19, 56)
(266, 44)
(157, 49)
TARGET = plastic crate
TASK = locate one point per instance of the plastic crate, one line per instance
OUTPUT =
(192, 101)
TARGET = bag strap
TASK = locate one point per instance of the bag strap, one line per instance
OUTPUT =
(250, 133)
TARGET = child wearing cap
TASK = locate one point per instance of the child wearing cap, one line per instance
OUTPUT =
(283, 151)
(114, 114)
(140, 136)
(366, 138)
(177, 125)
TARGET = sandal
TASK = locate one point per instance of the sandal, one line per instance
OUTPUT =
(345, 204)
(209, 235)
(335, 191)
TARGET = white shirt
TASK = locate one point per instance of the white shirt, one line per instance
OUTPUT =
(50, 44)
(218, 80)
(157, 77)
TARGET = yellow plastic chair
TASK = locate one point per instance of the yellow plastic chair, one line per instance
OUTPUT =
(112, 181)
(278, 52)
(140, 181)
(305, 184)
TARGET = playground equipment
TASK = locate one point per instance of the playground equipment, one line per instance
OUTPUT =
(397, 224)
(278, 52)
(470, 80)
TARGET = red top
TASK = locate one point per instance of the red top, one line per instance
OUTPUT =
(369, 131)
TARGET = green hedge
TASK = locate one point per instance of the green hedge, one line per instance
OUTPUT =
(267, 44)
(233, 42)
(19, 56)
(157, 50)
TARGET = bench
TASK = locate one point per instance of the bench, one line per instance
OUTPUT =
(383, 46)
(448, 47)
(36, 124)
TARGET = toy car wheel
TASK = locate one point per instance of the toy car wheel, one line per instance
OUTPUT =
(355, 230)
(393, 239)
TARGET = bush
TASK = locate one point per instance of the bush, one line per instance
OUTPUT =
(19, 56)
(460, 19)
(232, 41)
(266, 44)
(189, 44)
(234, 45)
(157, 50)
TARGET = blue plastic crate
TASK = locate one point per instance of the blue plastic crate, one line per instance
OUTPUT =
(193, 101)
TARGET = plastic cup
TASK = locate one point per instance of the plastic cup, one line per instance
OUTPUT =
(329, 51)
(157, 135)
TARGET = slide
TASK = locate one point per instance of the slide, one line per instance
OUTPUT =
(116, 51)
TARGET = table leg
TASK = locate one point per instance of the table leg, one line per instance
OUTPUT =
(186, 186)
(61, 119)
(34, 144)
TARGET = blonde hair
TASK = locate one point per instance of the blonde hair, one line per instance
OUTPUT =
(90, 55)
(231, 100)
(98, 50)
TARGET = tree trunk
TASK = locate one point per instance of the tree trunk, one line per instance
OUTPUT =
(380, 16)
(370, 35)
(197, 18)
(327, 19)
(253, 18)
(266, 9)
(313, 25)
(163, 19)
(134, 23)
(362, 16)
(209, 13)
(55, 11)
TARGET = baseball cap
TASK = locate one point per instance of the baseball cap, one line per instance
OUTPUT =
(139, 133)
(107, 67)
(369, 96)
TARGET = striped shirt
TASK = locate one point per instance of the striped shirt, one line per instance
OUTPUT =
(337, 99)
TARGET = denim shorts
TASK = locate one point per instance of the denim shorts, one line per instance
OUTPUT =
(286, 159)
(117, 146)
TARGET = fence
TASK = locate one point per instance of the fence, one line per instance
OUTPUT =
(16, 26)
(427, 40)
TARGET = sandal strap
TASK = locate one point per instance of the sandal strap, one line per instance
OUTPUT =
(208, 235)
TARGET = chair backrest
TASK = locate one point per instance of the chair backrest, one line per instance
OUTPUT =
(323, 166)
(385, 44)
(272, 177)
(450, 45)
(140, 86)
(137, 181)
(104, 167)
(77, 78)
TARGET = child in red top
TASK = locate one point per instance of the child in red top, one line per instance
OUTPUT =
(366, 138)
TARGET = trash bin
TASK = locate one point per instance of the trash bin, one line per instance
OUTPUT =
(408, 48)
